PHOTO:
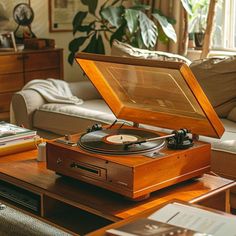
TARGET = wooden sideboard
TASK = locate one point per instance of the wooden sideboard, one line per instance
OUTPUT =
(17, 68)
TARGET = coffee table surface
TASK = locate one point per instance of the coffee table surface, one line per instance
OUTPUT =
(24, 170)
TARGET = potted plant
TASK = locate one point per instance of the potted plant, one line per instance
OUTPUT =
(198, 20)
(116, 19)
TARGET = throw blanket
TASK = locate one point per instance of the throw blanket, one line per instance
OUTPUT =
(53, 90)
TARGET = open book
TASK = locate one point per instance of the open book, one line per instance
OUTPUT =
(148, 227)
(180, 219)
(195, 218)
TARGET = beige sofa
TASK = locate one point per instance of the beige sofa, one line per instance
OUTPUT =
(217, 78)
(52, 120)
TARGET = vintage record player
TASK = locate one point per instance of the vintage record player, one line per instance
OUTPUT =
(132, 160)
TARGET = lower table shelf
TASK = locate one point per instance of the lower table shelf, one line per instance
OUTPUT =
(70, 217)
(50, 210)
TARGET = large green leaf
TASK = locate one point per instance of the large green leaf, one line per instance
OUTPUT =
(131, 17)
(92, 5)
(95, 45)
(78, 20)
(113, 15)
(162, 36)
(71, 58)
(187, 6)
(100, 49)
(166, 26)
(118, 34)
(75, 44)
(148, 30)
(91, 47)
(85, 28)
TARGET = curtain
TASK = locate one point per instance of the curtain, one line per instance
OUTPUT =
(174, 9)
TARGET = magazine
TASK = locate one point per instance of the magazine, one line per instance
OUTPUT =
(194, 218)
(179, 218)
(10, 132)
(148, 227)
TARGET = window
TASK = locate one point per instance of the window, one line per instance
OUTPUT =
(224, 36)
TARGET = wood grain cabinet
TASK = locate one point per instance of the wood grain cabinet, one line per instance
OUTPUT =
(18, 68)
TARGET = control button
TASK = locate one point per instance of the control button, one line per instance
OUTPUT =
(59, 161)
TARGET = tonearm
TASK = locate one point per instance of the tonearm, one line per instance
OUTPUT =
(178, 139)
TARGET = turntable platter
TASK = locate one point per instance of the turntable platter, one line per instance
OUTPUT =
(111, 141)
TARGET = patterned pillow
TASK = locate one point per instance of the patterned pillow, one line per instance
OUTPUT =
(124, 49)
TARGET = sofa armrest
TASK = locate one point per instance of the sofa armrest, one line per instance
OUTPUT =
(84, 90)
(23, 105)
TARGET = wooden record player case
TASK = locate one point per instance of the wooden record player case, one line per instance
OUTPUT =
(162, 94)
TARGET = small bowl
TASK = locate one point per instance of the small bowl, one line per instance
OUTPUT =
(20, 47)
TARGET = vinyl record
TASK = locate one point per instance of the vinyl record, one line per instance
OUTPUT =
(111, 141)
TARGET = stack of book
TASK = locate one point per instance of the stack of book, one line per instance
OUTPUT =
(14, 139)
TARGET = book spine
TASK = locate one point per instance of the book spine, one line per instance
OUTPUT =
(19, 147)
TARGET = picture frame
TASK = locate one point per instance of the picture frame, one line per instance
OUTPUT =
(61, 14)
(7, 41)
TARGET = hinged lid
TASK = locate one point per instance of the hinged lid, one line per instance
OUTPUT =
(163, 94)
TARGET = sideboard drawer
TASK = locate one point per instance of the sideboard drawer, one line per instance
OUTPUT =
(45, 60)
(11, 63)
(42, 74)
(11, 82)
(5, 100)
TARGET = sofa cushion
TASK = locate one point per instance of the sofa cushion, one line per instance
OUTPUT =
(229, 134)
(67, 118)
(84, 89)
(124, 49)
(217, 77)
(232, 115)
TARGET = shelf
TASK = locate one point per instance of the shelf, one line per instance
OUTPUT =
(20, 197)
(70, 217)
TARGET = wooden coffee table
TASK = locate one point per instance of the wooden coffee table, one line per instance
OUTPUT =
(72, 205)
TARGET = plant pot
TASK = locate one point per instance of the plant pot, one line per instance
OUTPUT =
(199, 39)
(191, 40)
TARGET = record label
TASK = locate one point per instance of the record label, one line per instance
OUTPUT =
(120, 138)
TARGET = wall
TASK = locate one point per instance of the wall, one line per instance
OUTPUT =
(40, 27)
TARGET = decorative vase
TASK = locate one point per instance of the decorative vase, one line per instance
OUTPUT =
(199, 38)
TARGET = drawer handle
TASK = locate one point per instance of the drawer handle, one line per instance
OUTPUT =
(59, 161)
